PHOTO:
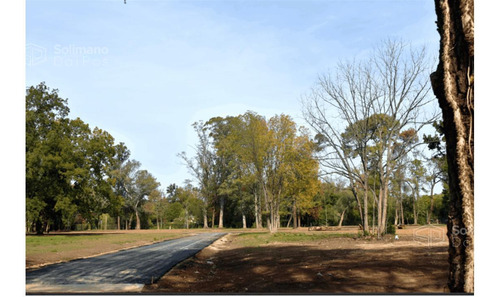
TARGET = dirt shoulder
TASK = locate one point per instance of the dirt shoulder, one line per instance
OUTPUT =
(331, 265)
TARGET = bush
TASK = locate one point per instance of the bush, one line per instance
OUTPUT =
(363, 234)
(391, 229)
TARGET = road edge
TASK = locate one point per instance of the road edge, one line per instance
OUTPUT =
(147, 289)
(38, 266)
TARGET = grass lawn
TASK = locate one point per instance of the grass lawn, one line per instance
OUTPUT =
(61, 243)
(53, 248)
(261, 238)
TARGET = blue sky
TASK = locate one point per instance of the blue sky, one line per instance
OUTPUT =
(147, 70)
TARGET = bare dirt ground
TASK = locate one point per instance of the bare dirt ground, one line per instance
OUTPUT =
(416, 263)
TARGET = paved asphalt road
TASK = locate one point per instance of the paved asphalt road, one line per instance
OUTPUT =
(134, 267)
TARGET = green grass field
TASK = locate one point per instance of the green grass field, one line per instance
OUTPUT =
(66, 243)
(260, 238)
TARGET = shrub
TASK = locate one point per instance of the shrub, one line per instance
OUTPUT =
(391, 229)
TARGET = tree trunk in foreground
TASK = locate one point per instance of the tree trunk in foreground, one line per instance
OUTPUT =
(453, 84)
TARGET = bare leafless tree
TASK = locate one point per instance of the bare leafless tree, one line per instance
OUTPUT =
(340, 100)
(373, 101)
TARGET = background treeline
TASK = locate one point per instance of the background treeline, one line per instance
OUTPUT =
(77, 176)
(363, 165)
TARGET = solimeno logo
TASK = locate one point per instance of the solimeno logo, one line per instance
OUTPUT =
(35, 54)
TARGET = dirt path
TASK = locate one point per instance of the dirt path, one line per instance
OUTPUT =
(334, 265)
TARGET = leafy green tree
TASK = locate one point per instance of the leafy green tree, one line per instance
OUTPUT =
(143, 185)
(155, 206)
(336, 202)
(437, 163)
(174, 209)
(97, 194)
(417, 177)
(46, 126)
(202, 167)
(222, 131)
(278, 166)
(254, 142)
(185, 204)
(303, 182)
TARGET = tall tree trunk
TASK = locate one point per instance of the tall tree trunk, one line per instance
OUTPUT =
(342, 217)
(118, 223)
(271, 223)
(213, 217)
(366, 225)
(258, 223)
(267, 207)
(379, 214)
(382, 208)
(38, 227)
(431, 210)
(294, 214)
(380, 205)
(360, 206)
(221, 213)
(373, 215)
(138, 220)
(205, 214)
(289, 221)
(453, 85)
(396, 217)
(415, 217)
(205, 218)
(130, 221)
(277, 217)
(244, 221)
(402, 212)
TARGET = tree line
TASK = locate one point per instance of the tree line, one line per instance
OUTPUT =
(75, 174)
(361, 165)
(370, 154)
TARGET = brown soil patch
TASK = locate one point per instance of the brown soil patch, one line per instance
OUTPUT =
(411, 264)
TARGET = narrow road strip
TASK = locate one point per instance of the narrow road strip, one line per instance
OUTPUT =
(123, 271)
